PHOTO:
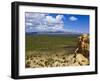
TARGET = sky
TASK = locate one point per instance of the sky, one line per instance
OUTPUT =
(35, 22)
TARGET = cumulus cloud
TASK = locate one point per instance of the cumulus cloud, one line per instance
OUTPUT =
(59, 17)
(43, 22)
(73, 18)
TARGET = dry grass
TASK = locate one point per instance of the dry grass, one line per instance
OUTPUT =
(57, 54)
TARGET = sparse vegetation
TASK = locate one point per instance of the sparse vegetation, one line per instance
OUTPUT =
(52, 51)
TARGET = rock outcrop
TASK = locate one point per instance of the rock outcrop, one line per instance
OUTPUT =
(83, 45)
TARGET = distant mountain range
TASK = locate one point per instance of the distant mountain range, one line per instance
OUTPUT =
(52, 32)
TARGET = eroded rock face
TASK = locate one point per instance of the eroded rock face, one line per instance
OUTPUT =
(83, 45)
(81, 60)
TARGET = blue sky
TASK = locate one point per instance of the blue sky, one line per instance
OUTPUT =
(56, 22)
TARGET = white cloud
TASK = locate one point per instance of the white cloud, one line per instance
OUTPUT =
(59, 17)
(34, 15)
(50, 19)
(28, 24)
(73, 18)
(41, 22)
